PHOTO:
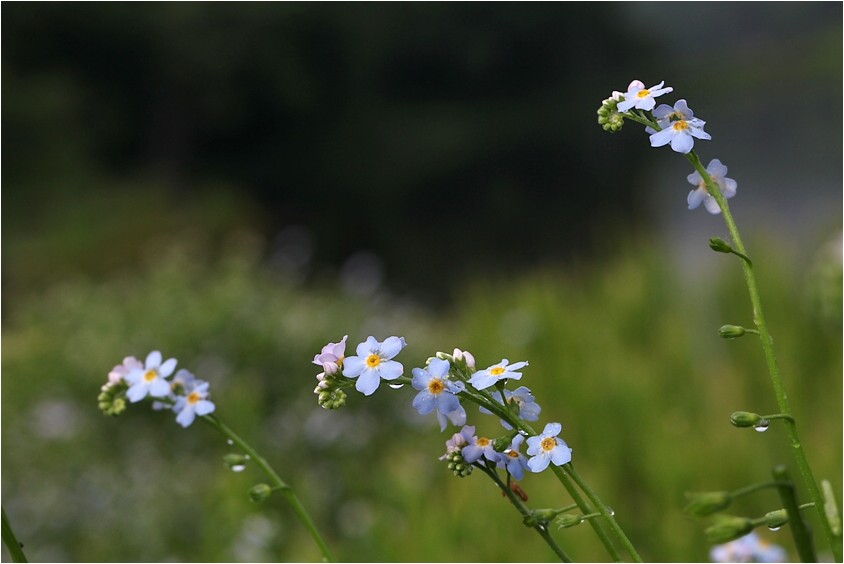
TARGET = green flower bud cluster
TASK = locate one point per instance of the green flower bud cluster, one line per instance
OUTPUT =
(458, 466)
(112, 398)
(329, 394)
(608, 116)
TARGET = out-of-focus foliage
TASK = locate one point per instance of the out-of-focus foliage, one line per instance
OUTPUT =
(626, 356)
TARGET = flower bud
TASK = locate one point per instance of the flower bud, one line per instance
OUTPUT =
(745, 419)
(719, 245)
(540, 517)
(234, 460)
(727, 528)
(776, 519)
(112, 398)
(702, 504)
(731, 331)
(332, 399)
(568, 520)
(260, 492)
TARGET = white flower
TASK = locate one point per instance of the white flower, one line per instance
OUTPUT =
(483, 379)
(150, 379)
(680, 134)
(718, 172)
(639, 97)
(373, 362)
(193, 404)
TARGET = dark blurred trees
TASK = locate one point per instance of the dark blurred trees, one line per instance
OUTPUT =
(442, 137)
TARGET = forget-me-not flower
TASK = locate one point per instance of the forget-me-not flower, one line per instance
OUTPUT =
(194, 403)
(331, 356)
(749, 548)
(680, 134)
(119, 372)
(458, 441)
(478, 447)
(437, 392)
(150, 379)
(374, 362)
(521, 398)
(483, 379)
(547, 447)
(718, 172)
(515, 461)
(641, 98)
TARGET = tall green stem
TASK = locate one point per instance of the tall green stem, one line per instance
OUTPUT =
(276, 482)
(12, 545)
(768, 348)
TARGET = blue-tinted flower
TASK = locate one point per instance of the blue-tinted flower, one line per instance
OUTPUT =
(180, 384)
(515, 461)
(749, 548)
(718, 172)
(331, 357)
(680, 134)
(373, 362)
(194, 403)
(521, 398)
(478, 447)
(437, 392)
(548, 447)
(150, 379)
(483, 379)
(665, 114)
(639, 97)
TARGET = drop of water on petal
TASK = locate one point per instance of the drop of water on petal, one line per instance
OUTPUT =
(762, 426)
(238, 468)
(774, 528)
(397, 386)
(229, 442)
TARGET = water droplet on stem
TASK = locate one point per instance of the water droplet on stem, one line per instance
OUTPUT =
(762, 426)
(238, 468)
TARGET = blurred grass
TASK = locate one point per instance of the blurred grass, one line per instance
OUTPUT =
(623, 352)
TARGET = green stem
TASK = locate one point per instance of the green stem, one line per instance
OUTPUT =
(602, 509)
(522, 508)
(12, 545)
(799, 530)
(754, 488)
(485, 400)
(768, 349)
(276, 483)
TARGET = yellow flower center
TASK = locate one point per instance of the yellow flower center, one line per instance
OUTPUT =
(548, 443)
(150, 375)
(512, 454)
(643, 93)
(193, 398)
(483, 442)
(435, 386)
(497, 371)
(680, 125)
(373, 360)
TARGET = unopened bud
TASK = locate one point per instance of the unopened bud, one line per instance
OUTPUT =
(727, 528)
(260, 492)
(731, 331)
(568, 520)
(702, 504)
(719, 245)
(745, 419)
(234, 460)
(776, 519)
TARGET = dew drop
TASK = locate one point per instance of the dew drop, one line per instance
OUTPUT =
(229, 442)
(238, 468)
(397, 386)
(774, 528)
(523, 433)
(610, 510)
(762, 426)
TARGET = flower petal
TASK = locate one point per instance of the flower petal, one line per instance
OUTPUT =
(353, 366)
(368, 382)
(390, 370)
(391, 347)
(153, 360)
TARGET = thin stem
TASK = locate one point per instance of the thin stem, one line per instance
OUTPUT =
(605, 513)
(522, 508)
(277, 484)
(754, 488)
(768, 349)
(12, 545)
(799, 530)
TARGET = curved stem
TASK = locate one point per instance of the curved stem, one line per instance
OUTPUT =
(522, 508)
(12, 545)
(276, 483)
(768, 349)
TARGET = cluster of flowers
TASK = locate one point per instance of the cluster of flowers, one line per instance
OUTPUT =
(676, 126)
(749, 548)
(441, 384)
(184, 394)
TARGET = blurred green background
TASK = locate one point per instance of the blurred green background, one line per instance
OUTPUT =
(236, 185)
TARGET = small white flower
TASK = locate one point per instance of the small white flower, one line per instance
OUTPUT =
(150, 379)
(483, 379)
(193, 404)
(641, 98)
(718, 172)
(680, 133)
